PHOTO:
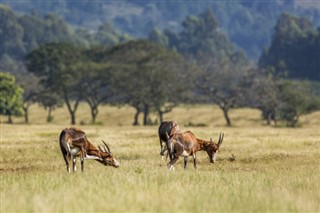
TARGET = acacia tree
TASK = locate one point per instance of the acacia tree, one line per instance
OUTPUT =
(10, 96)
(223, 82)
(31, 89)
(95, 85)
(53, 63)
(147, 75)
(49, 100)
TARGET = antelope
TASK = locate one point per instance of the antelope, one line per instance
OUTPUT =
(185, 144)
(166, 127)
(74, 143)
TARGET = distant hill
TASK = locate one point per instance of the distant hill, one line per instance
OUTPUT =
(249, 24)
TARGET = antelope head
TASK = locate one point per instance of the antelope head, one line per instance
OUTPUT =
(107, 158)
(213, 148)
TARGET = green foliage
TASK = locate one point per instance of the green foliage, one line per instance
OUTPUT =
(10, 97)
(147, 75)
(54, 63)
(295, 49)
(284, 100)
(249, 24)
(296, 100)
(20, 34)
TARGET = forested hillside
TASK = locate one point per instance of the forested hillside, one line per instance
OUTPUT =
(249, 24)
(57, 53)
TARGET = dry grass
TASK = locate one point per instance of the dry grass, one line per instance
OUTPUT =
(275, 169)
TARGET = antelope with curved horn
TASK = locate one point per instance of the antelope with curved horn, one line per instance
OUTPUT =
(74, 143)
(185, 144)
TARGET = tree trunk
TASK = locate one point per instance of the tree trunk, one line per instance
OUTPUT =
(73, 117)
(160, 116)
(136, 117)
(94, 113)
(49, 118)
(269, 119)
(10, 119)
(226, 115)
(72, 111)
(145, 115)
(26, 114)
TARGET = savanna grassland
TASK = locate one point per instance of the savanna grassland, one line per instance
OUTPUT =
(258, 169)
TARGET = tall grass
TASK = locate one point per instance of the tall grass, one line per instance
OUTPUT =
(275, 169)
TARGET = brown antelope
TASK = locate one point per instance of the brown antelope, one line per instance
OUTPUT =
(185, 144)
(74, 143)
(166, 127)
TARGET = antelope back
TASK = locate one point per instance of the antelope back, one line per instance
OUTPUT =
(168, 127)
(185, 142)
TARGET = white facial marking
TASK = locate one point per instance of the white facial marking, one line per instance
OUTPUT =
(116, 163)
(214, 157)
(92, 157)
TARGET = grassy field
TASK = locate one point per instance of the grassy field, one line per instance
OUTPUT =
(276, 169)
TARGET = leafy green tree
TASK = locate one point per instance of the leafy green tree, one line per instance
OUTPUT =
(108, 36)
(158, 37)
(54, 63)
(294, 50)
(49, 100)
(148, 76)
(11, 34)
(223, 66)
(296, 100)
(224, 83)
(31, 89)
(283, 100)
(95, 83)
(10, 97)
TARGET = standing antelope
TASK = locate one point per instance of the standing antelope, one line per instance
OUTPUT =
(73, 143)
(185, 144)
(170, 128)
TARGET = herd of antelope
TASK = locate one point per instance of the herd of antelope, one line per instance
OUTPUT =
(74, 143)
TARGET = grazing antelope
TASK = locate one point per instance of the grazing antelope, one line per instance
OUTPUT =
(185, 144)
(74, 143)
(166, 127)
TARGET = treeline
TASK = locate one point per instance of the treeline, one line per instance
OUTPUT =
(20, 34)
(249, 24)
(198, 64)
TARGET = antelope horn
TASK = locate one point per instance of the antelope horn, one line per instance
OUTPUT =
(220, 138)
(106, 146)
(101, 148)
(167, 135)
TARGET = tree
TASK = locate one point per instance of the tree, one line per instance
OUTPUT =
(54, 64)
(148, 76)
(223, 66)
(95, 85)
(10, 97)
(283, 100)
(49, 100)
(296, 100)
(223, 82)
(294, 50)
